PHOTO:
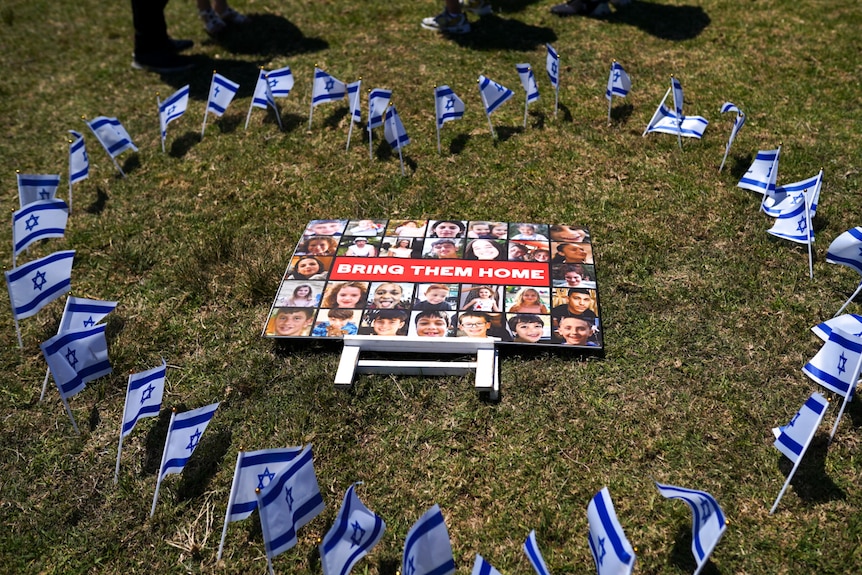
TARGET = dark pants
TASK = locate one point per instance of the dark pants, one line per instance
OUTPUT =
(151, 30)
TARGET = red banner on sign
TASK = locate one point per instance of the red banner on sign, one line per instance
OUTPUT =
(440, 271)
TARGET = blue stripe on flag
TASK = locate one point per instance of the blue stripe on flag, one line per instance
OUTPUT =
(610, 530)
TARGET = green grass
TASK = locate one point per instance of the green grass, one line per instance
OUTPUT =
(706, 316)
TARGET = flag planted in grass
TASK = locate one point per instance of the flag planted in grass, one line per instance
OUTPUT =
(143, 399)
(786, 199)
(79, 162)
(37, 221)
(36, 187)
(619, 82)
(737, 124)
(707, 523)
(172, 109)
(222, 92)
(611, 550)
(33, 285)
(112, 135)
(76, 358)
(763, 172)
(482, 567)
(427, 549)
(534, 555)
(356, 530)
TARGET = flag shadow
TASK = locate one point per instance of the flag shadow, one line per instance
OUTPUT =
(495, 33)
(621, 114)
(130, 164)
(98, 205)
(181, 145)
(268, 35)
(811, 482)
(661, 20)
(681, 556)
(539, 118)
(388, 566)
(154, 443)
(458, 143)
(740, 165)
(504, 133)
(204, 464)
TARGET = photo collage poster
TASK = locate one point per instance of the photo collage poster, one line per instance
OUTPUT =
(524, 283)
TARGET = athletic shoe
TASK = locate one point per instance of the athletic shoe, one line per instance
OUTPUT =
(161, 62)
(212, 22)
(231, 16)
(477, 7)
(446, 23)
(582, 8)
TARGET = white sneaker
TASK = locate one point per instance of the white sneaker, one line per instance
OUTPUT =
(212, 22)
(446, 23)
(477, 7)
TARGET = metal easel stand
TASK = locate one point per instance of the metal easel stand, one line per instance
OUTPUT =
(486, 364)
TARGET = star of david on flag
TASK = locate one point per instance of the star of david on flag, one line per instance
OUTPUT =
(143, 396)
(763, 172)
(528, 81)
(258, 99)
(393, 129)
(611, 550)
(184, 435)
(848, 323)
(378, 101)
(619, 82)
(534, 555)
(737, 124)
(81, 312)
(552, 65)
(667, 121)
(448, 105)
(356, 530)
(280, 82)
(785, 199)
(79, 163)
(793, 439)
(795, 226)
(222, 92)
(326, 88)
(290, 501)
(77, 357)
(36, 221)
(482, 567)
(353, 99)
(838, 363)
(427, 549)
(173, 108)
(37, 283)
(846, 250)
(112, 135)
(707, 522)
(36, 187)
(493, 94)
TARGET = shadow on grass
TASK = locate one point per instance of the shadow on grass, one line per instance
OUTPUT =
(621, 114)
(204, 464)
(458, 143)
(98, 205)
(130, 164)
(661, 20)
(739, 164)
(388, 566)
(496, 33)
(682, 557)
(181, 146)
(811, 483)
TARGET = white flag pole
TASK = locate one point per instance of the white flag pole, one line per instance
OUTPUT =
(657, 110)
(726, 151)
(69, 412)
(526, 108)
(265, 529)
(678, 114)
(610, 103)
(204, 126)
(398, 142)
(370, 147)
(162, 464)
(122, 423)
(485, 105)
(846, 398)
(233, 489)
(248, 116)
(784, 487)
(852, 297)
(45, 384)
(161, 122)
(70, 179)
(810, 232)
(437, 118)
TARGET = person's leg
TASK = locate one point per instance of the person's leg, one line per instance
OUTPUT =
(151, 30)
(450, 21)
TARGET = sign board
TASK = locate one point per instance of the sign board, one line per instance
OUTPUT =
(524, 283)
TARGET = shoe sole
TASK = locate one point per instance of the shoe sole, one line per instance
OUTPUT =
(463, 30)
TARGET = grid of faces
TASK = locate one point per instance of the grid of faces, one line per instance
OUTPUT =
(565, 311)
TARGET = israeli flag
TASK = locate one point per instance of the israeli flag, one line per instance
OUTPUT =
(678, 100)
(552, 65)
(79, 163)
(173, 108)
(37, 283)
(143, 396)
(326, 88)
(482, 567)
(611, 550)
(378, 101)
(849, 323)
(36, 221)
(619, 82)
(666, 122)
(795, 226)
(258, 99)
(534, 555)
(838, 363)
(737, 124)
(707, 522)
(222, 92)
(112, 135)
(786, 199)
(353, 99)
(280, 82)
(427, 550)
(393, 129)
(794, 438)
(255, 470)
(36, 187)
(356, 530)
(493, 94)
(447, 105)
(76, 358)
(846, 249)
(528, 81)
(763, 173)
(81, 312)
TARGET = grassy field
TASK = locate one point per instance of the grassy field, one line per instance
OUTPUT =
(706, 316)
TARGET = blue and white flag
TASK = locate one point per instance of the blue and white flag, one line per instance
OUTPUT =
(79, 163)
(143, 396)
(280, 82)
(707, 523)
(665, 121)
(482, 567)
(353, 99)
(35, 284)
(76, 358)
(222, 92)
(611, 550)
(184, 436)
(378, 101)
(848, 323)
(534, 555)
(112, 135)
(552, 65)
(427, 549)
(763, 173)
(326, 88)
(81, 313)
(737, 124)
(291, 500)
(619, 82)
(173, 108)
(528, 81)
(258, 99)
(786, 199)
(356, 530)
(36, 187)
(838, 363)
(448, 105)
(795, 226)
(846, 249)
(794, 438)
(493, 94)
(36, 221)
(678, 100)
(393, 129)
